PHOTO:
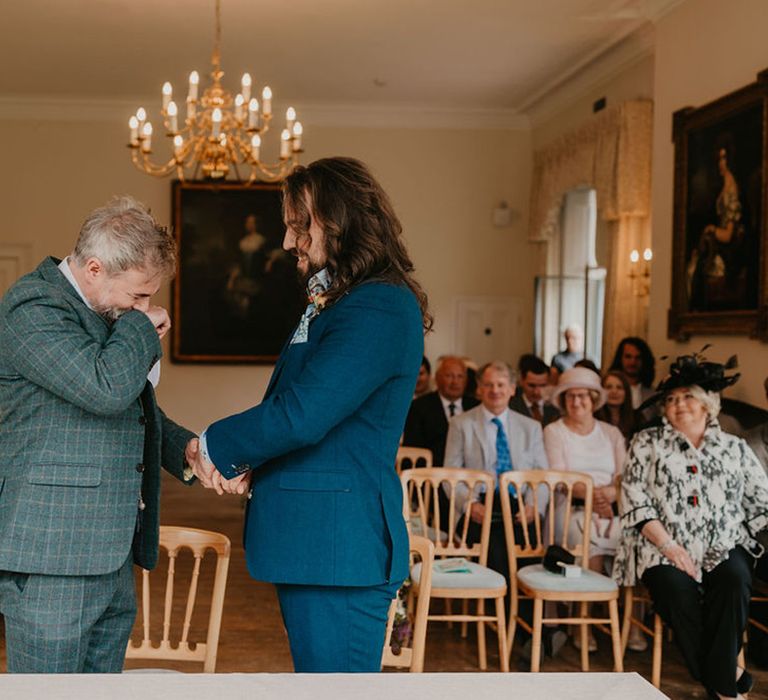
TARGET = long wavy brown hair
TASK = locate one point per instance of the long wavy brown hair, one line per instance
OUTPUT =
(363, 236)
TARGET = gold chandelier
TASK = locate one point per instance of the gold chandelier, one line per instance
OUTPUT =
(219, 134)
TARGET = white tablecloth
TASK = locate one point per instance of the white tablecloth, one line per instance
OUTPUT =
(283, 686)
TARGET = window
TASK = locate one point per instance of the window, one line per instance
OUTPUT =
(573, 290)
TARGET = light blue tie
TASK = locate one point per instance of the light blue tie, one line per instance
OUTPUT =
(503, 458)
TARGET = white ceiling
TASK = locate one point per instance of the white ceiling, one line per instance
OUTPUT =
(436, 54)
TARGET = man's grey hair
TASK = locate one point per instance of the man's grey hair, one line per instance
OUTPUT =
(498, 366)
(123, 235)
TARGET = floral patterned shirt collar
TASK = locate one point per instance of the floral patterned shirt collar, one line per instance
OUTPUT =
(317, 286)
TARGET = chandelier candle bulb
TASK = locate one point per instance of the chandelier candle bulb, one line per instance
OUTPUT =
(647, 255)
(178, 146)
(133, 124)
(141, 115)
(216, 122)
(246, 87)
(290, 118)
(173, 121)
(298, 130)
(634, 256)
(167, 92)
(239, 102)
(255, 145)
(146, 142)
(194, 81)
(253, 114)
(285, 144)
(266, 101)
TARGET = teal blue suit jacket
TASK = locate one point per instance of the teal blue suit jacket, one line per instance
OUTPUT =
(326, 506)
(82, 438)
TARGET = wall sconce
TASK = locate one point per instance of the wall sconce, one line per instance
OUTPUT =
(641, 279)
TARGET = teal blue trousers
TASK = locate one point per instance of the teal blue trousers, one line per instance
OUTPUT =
(336, 629)
(67, 624)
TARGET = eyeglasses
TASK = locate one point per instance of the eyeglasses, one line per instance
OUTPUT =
(577, 395)
(672, 399)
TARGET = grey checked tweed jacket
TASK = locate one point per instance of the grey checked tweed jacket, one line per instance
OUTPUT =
(81, 436)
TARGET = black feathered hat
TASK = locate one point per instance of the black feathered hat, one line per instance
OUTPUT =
(695, 369)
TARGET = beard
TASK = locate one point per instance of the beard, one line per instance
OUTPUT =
(109, 313)
(304, 274)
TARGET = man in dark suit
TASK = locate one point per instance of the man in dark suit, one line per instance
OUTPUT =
(530, 395)
(427, 422)
(83, 440)
(325, 521)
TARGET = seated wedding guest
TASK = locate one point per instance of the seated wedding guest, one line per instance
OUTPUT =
(617, 409)
(424, 380)
(580, 443)
(427, 421)
(530, 397)
(83, 441)
(692, 500)
(574, 350)
(493, 438)
(634, 358)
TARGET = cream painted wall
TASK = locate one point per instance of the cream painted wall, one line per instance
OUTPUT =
(704, 49)
(444, 184)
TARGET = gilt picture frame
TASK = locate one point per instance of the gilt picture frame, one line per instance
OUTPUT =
(719, 222)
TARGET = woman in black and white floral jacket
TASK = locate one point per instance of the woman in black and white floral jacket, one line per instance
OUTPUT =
(692, 500)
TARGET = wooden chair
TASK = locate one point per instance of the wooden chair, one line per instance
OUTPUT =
(478, 582)
(174, 539)
(759, 595)
(412, 458)
(534, 581)
(412, 657)
(639, 594)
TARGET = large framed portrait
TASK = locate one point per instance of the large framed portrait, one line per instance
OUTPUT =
(719, 234)
(236, 296)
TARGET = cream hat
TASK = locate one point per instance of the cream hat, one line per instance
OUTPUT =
(579, 378)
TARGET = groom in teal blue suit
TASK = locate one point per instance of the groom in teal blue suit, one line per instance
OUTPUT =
(325, 522)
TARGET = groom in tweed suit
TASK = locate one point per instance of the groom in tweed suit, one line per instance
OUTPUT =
(82, 441)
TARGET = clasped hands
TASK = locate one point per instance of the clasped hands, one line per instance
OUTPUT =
(209, 476)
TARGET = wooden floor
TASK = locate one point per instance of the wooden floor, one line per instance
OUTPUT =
(253, 639)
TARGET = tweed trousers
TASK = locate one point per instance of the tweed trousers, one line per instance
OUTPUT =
(68, 624)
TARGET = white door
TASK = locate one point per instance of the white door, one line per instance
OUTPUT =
(490, 328)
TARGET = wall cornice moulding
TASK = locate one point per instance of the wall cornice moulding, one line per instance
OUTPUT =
(634, 48)
(42, 108)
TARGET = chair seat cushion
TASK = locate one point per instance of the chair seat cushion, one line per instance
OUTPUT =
(479, 577)
(536, 576)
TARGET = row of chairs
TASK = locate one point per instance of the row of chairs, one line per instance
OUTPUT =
(529, 582)
(448, 539)
(450, 535)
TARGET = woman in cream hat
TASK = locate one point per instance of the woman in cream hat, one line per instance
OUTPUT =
(579, 442)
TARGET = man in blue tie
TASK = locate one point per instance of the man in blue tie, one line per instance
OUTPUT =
(325, 522)
(496, 439)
